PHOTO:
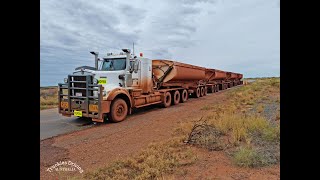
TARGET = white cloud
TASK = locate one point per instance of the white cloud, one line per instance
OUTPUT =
(235, 35)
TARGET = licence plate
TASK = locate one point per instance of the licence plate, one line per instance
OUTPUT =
(77, 113)
(102, 81)
(93, 108)
(64, 105)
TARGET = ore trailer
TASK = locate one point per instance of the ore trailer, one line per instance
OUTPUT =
(124, 82)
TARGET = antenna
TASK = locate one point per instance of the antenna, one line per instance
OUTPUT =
(133, 49)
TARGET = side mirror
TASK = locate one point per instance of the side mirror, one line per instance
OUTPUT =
(131, 68)
(136, 66)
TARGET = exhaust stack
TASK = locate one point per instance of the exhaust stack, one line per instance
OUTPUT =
(95, 58)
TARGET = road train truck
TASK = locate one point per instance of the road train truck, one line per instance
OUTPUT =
(122, 82)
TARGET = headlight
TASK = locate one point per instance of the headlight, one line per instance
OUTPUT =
(95, 81)
(65, 80)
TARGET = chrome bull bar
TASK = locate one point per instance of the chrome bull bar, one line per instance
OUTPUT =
(80, 96)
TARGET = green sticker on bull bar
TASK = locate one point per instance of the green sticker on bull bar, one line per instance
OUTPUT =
(102, 81)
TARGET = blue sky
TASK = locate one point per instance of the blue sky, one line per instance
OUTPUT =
(233, 35)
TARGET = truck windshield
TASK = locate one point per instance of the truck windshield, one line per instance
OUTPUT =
(113, 64)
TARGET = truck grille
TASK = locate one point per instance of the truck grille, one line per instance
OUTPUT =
(87, 103)
(76, 92)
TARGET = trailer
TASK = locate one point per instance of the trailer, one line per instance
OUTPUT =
(122, 83)
(170, 74)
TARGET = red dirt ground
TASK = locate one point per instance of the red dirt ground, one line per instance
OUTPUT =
(216, 165)
(96, 147)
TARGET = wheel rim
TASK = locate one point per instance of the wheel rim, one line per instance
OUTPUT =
(168, 98)
(185, 95)
(120, 109)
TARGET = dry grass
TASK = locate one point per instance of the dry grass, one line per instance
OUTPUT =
(250, 140)
(48, 98)
(239, 126)
(250, 136)
(206, 136)
(207, 108)
(156, 161)
(260, 108)
(248, 157)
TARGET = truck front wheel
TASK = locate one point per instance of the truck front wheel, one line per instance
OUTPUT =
(118, 111)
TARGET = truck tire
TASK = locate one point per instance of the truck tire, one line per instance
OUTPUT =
(197, 93)
(184, 96)
(211, 89)
(167, 99)
(176, 97)
(205, 91)
(202, 91)
(118, 111)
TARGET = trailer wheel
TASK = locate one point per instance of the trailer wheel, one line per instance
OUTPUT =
(176, 97)
(184, 96)
(167, 99)
(216, 88)
(197, 93)
(119, 110)
(202, 91)
(211, 89)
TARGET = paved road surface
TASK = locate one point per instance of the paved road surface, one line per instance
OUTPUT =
(53, 124)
